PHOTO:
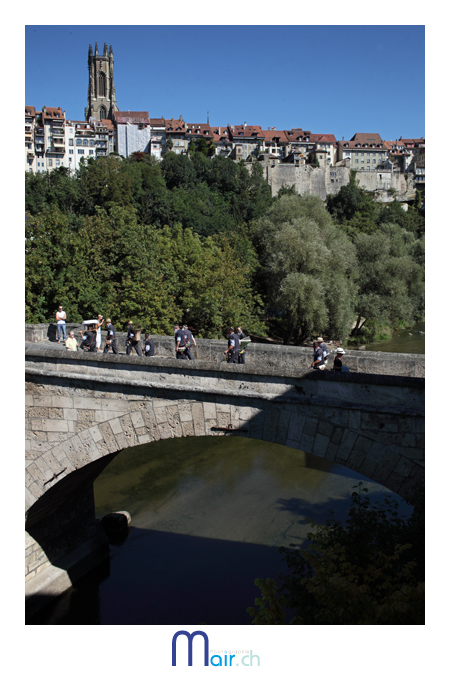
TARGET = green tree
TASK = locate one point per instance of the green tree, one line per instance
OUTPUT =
(391, 278)
(308, 265)
(368, 570)
(351, 202)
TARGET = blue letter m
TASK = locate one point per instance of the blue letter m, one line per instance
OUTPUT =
(190, 637)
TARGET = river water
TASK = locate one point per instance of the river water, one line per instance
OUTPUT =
(208, 516)
(408, 341)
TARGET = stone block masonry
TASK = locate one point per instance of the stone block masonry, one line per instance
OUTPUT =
(82, 409)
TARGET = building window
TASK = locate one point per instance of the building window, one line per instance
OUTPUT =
(85, 142)
(57, 162)
(70, 152)
(78, 141)
(81, 152)
(50, 162)
(101, 85)
(91, 152)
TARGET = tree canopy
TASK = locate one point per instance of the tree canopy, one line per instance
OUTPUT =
(112, 237)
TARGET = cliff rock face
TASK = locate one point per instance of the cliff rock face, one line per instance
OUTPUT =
(328, 180)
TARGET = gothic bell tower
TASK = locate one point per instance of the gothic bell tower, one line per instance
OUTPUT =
(101, 90)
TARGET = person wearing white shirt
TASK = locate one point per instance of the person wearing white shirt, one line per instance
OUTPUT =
(60, 324)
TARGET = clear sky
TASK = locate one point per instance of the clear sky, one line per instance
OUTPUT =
(331, 79)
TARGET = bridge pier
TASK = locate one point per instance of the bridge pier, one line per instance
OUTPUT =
(63, 539)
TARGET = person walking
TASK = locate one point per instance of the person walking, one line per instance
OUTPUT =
(324, 348)
(188, 339)
(232, 351)
(71, 343)
(133, 339)
(180, 343)
(60, 324)
(317, 363)
(149, 346)
(98, 340)
(244, 339)
(110, 338)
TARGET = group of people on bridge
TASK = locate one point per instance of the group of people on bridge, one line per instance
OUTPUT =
(184, 340)
(320, 357)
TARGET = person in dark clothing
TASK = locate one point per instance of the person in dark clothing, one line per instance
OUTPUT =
(317, 363)
(149, 346)
(324, 348)
(338, 366)
(244, 339)
(234, 344)
(189, 340)
(132, 342)
(89, 343)
(180, 343)
(110, 338)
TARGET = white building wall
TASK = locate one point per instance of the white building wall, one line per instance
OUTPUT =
(132, 139)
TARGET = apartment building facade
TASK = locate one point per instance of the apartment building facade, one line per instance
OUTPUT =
(366, 151)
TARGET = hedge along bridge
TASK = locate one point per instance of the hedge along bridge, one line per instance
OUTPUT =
(82, 409)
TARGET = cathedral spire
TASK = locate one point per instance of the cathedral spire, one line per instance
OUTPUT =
(101, 90)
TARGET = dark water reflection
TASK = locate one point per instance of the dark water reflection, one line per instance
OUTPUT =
(208, 516)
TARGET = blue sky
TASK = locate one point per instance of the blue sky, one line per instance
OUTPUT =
(326, 79)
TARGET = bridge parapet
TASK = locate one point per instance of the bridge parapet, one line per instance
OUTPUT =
(267, 356)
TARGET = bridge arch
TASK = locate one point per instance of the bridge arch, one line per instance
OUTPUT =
(82, 410)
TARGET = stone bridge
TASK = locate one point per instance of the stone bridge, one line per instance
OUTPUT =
(82, 409)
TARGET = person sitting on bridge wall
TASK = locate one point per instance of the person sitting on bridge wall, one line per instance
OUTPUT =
(71, 343)
(89, 344)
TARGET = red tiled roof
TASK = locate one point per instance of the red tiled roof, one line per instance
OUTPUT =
(247, 131)
(52, 113)
(175, 126)
(323, 138)
(366, 138)
(30, 110)
(361, 144)
(270, 136)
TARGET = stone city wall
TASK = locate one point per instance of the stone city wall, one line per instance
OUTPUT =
(328, 180)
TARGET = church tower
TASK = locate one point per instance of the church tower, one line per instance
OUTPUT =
(101, 91)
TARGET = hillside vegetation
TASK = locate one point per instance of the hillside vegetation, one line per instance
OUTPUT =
(202, 241)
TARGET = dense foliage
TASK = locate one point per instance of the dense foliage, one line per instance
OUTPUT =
(200, 239)
(368, 570)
